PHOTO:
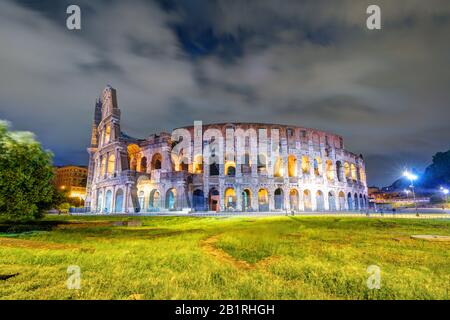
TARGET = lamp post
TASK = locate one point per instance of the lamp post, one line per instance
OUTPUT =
(445, 192)
(411, 178)
(407, 193)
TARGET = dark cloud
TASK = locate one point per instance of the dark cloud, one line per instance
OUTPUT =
(311, 63)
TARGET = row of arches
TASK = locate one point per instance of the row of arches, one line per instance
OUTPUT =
(341, 171)
(107, 164)
(213, 202)
(105, 202)
(137, 162)
(154, 201)
(349, 170)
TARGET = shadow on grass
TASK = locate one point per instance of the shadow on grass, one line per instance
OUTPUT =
(28, 226)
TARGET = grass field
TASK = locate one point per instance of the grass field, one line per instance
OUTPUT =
(225, 258)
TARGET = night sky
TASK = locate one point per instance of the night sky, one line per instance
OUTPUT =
(307, 63)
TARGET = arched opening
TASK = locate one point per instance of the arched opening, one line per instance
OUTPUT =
(361, 202)
(346, 170)
(278, 169)
(279, 199)
(230, 199)
(307, 200)
(133, 155)
(349, 201)
(293, 199)
(318, 167)
(341, 201)
(214, 169)
(108, 201)
(263, 200)
(362, 175)
(108, 133)
(292, 166)
(356, 200)
(141, 199)
(154, 201)
(320, 202)
(329, 170)
(198, 200)
(246, 200)
(198, 164)
(119, 201)
(262, 163)
(103, 166)
(331, 201)
(171, 197)
(111, 164)
(184, 166)
(156, 161)
(133, 163)
(246, 165)
(214, 200)
(339, 171)
(306, 166)
(144, 164)
(316, 141)
(100, 201)
(230, 168)
(353, 171)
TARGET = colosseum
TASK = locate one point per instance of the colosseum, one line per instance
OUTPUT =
(229, 167)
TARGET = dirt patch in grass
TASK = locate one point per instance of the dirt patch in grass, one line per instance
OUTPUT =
(30, 244)
(208, 245)
(172, 233)
(431, 237)
(80, 225)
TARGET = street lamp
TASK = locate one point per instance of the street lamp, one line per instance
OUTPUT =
(412, 177)
(407, 193)
(445, 192)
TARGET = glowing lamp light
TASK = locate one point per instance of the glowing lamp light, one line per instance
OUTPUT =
(445, 191)
(410, 175)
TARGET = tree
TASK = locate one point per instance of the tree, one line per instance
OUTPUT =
(438, 173)
(26, 174)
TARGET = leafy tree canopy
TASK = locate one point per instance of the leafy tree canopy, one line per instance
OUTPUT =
(438, 173)
(25, 176)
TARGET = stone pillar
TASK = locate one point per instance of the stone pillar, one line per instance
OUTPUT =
(126, 198)
(254, 203)
(346, 201)
(287, 202)
(313, 200)
(326, 199)
(238, 191)
(301, 201)
(254, 163)
(103, 199)
(222, 197)
(113, 199)
(238, 170)
(271, 199)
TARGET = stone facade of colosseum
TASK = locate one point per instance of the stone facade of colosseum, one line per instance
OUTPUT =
(263, 167)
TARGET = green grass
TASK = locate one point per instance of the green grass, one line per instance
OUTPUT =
(225, 258)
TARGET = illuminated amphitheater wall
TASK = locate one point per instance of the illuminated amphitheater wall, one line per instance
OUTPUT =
(305, 170)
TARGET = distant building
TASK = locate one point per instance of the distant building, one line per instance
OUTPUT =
(72, 179)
